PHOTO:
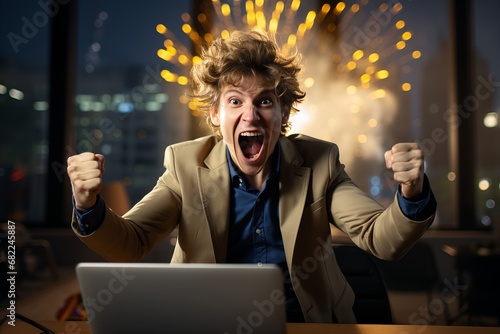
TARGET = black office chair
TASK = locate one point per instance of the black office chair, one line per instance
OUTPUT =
(480, 273)
(371, 305)
(416, 271)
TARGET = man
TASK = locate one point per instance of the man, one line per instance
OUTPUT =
(250, 194)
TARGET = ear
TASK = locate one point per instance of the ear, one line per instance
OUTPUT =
(214, 117)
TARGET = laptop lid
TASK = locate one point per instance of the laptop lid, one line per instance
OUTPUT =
(182, 298)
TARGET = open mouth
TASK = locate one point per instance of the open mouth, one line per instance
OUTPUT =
(251, 144)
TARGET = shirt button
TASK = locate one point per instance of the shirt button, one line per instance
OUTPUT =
(257, 200)
(259, 264)
(258, 231)
(86, 225)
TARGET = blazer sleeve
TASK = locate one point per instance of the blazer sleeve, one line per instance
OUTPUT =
(131, 237)
(385, 232)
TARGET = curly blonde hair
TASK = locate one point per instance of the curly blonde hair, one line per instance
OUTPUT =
(227, 61)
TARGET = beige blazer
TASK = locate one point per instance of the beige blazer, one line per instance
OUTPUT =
(193, 196)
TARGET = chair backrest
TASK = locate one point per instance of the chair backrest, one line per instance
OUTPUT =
(416, 271)
(481, 274)
(371, 305)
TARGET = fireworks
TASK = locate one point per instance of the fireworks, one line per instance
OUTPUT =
(354, 57)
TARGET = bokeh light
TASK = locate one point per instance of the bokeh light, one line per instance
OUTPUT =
(352, 63)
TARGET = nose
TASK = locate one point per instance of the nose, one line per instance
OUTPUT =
(250, 114)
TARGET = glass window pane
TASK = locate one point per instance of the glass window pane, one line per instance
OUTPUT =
(487, 101)
(24, 111)
(374, 76)
(125, 109)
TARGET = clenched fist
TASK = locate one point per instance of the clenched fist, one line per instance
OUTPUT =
(85, 172)
(406, 160)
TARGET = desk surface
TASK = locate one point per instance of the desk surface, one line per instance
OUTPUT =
(81, 327)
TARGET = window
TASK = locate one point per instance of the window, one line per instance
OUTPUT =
(124, 108)
(485, 104)
(374, 76)
(24, 111)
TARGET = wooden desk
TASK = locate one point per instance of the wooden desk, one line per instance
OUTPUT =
(75, 327)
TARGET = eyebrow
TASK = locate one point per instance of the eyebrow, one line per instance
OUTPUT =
(263, 92)
(233, 90)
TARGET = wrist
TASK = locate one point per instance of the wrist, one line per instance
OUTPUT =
(89, 205)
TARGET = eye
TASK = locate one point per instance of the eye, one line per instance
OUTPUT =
(266, 102)
(233, 101)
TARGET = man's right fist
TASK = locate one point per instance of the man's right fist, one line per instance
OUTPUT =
(85, 172)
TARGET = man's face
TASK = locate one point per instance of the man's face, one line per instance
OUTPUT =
(250, 118)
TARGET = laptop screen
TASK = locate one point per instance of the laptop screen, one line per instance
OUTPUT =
(182, 298)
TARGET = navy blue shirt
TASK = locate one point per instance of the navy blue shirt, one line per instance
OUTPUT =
(254, 228)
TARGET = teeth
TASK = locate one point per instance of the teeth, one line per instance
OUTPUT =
(250, 134)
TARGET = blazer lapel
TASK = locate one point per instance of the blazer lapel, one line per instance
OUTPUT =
(214, 192)
(294, 182)
(214, 186)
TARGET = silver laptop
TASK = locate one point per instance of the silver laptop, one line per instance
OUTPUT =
(182, 298)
